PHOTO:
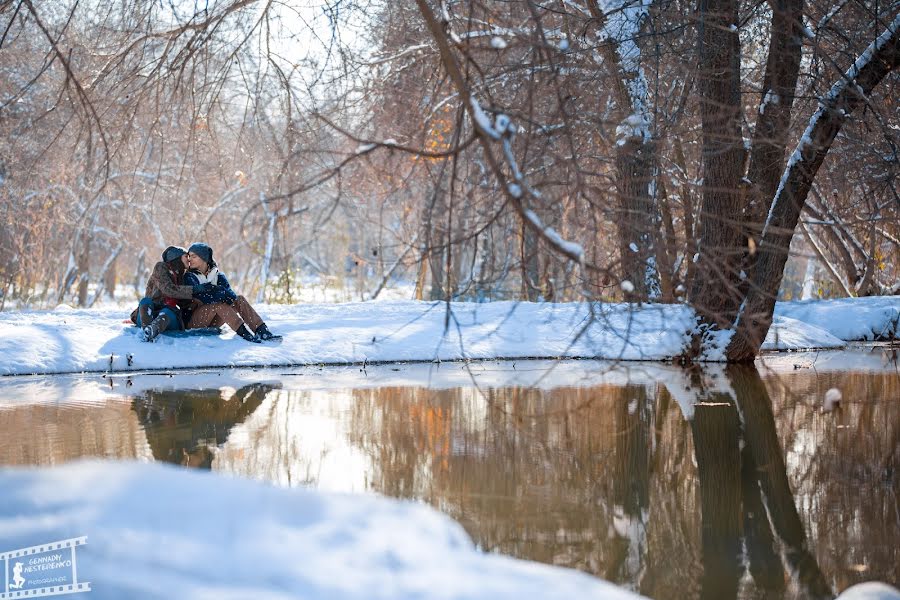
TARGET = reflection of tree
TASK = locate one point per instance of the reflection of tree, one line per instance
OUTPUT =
(560, 476)
(716, 435)
(631, 483)
(745, 493)
(603, 479)
(765, 458)
(185, 426)
(407, 433)
(53, 433)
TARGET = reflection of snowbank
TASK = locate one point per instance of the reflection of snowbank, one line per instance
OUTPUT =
(85, 340)
(160, 532)
(543, 374)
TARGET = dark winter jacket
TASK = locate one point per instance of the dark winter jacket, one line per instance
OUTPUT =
(165, 288)
(218, 290)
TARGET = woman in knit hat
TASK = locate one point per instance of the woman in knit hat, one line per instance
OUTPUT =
(167, 301)
(218, 303)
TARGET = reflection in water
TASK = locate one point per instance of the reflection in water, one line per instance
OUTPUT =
(187, 426)
(758, 495)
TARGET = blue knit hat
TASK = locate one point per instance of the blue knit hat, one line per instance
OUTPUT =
(203, 251)
(173, 252)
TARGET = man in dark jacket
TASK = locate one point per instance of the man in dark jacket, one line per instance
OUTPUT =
(218, 303)
(166, 297)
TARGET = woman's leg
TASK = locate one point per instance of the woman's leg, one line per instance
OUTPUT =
(214, 315)
(145, 312)
(247, 313)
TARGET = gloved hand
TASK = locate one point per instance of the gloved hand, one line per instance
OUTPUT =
(199, 288)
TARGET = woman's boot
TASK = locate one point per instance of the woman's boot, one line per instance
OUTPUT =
(157, 326)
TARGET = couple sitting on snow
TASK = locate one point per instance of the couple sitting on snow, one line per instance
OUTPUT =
(187, 291)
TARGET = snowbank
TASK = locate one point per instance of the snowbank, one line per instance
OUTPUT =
(157, 531)
(68, 340)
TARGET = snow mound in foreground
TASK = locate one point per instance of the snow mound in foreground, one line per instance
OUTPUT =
(158, 531)
(870, 590)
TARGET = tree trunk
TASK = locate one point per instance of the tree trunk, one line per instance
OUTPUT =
(774, 119)
(845, 96)
(634, 170)
(715, 290)
(436, 263)
(528, 249)
(687, 205)
(84, 265)
(635, 159)
(665, 245)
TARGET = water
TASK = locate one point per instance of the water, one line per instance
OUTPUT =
(581, 464)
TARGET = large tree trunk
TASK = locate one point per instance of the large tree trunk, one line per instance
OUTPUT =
(752, 324)
(634, 170)
(715, 290)
(774, 119)
(635, 157)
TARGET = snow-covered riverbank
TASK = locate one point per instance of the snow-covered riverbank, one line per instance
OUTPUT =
(68, 340)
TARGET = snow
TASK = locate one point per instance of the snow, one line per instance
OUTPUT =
(846, 318)
(634, 127)
(787, 334)
(498, 43)
(571, 248)
(70, 340)
(870, 590)
(770, 98)
(80, 340)
(154, 528)
(833, 397)
(483, 120)
(83, 340)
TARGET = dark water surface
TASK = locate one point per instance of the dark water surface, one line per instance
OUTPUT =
(723, 483)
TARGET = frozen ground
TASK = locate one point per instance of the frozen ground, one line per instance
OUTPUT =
(157, 531)
(68, 340)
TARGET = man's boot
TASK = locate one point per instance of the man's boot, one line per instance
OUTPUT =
(263, 333)
(157, 326)
(245, 333)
